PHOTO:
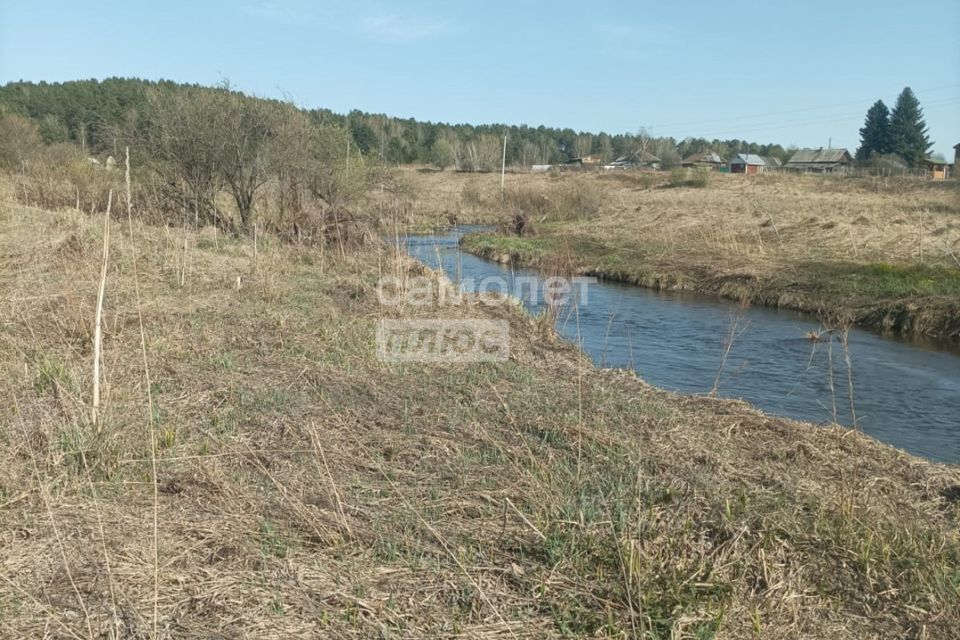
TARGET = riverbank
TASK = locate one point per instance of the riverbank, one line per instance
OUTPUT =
(781, 361)
(910, 299)
(303, 487)
(883, 254)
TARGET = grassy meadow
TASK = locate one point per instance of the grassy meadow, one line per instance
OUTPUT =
(256, 471)
(880, 252)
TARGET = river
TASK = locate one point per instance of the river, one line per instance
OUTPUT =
(905, 392)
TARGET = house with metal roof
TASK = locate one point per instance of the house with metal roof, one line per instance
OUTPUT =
(820, 161)
(748, 163)
(707, 159)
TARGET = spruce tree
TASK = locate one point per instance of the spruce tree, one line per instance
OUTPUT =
(908, 129)
(875, 135)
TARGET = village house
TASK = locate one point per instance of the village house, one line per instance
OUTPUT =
(646, 159)
(582, 161)
(707, 159)
(820, 161)
(623, 162)
(939, 169)
(637, 159)
(772, 163)
(748, 163)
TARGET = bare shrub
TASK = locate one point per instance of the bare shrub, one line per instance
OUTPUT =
(528, 201)
(638, 179)
(59, 176)
(578, 199)
(208, 140)
(698, 177)
(473, 197)
(481, 154)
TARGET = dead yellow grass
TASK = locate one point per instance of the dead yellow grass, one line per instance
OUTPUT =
(794, 218)
(305, 489)
(764, 218)
(884, 253)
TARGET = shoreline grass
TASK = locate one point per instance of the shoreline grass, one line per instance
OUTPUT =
(908, 299)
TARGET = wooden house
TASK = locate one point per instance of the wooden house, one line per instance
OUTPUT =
(773, 163)
(637, 159)
(706, 159)
(747, 163)
(820, 161)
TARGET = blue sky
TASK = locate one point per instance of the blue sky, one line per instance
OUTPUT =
(798, 73)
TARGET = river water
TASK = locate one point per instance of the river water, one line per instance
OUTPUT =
(906, 393)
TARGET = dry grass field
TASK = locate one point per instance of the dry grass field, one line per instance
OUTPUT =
(257, 472)
(881, 252)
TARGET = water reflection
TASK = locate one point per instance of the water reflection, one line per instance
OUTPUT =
(905, 392)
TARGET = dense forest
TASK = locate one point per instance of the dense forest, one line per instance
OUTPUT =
(101, 116)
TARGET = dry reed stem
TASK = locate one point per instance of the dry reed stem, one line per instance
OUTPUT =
(524, 518)
(315, 439)
(728, 341)
(151, 428)
(97, 330)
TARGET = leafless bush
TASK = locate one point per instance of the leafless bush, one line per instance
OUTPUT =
(472, 197)
(528, 201)
(698, 177)
(481, 154)
(577, 199)
(59, 176)
(563, 199)
(208, 140)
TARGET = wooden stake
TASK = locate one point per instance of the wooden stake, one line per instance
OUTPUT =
(126, 175)
(97, 330)
(254, 247)
(920, 240)
(183, 264)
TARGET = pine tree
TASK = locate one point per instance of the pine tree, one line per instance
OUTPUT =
(908, 129)
(875, 138)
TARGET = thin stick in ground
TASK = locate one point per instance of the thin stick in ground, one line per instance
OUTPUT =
(97, 326)
(151, 429)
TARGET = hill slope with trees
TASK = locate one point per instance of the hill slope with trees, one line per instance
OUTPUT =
(98, 114)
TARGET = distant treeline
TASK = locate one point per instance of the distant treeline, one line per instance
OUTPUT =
(101, 116)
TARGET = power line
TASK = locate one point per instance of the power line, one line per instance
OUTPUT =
(789, 111)
(773, 125)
